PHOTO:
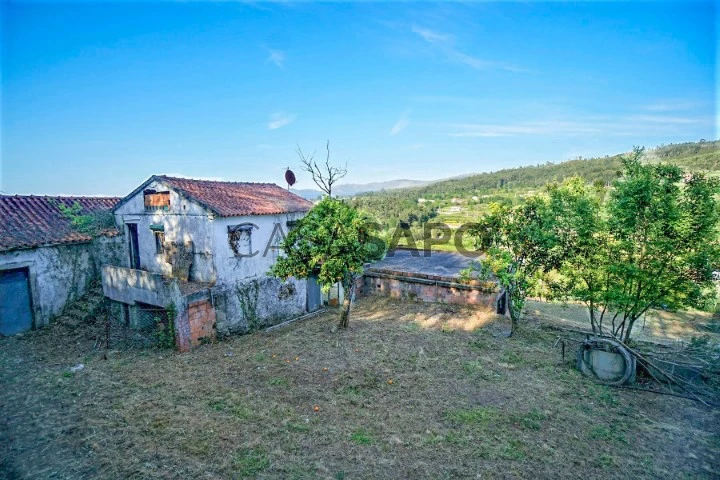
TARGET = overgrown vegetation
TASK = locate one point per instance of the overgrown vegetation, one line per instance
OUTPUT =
(91, 223)
(248, 295)
(652, 241)
(165, 327)
(514, 240)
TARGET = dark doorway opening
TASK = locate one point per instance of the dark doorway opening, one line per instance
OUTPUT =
(133, 245)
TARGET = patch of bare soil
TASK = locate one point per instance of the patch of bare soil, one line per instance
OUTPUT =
(409, 391)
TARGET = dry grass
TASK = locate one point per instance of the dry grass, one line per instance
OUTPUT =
(409, 391)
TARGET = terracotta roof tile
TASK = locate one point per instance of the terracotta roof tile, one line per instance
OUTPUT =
(229, 199)
(28, 221)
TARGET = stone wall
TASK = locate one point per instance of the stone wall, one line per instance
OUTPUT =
(257, 303)
(60, 274)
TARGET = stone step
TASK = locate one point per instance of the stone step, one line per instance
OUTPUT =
(89, 306)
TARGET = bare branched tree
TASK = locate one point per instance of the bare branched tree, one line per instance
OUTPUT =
(324, 176)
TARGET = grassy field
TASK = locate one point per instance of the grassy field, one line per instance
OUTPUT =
(409, 391)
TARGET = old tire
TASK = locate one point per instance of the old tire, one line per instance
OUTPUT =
(584, 360)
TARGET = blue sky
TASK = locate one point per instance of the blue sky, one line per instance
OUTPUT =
(96, 97)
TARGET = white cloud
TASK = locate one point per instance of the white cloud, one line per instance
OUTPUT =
(542, 127)
(277, 57)
(280, 119)
(673, 106)
(663, 119)
(446, 44)
(431, 36)
(629, 125)
(400, 125)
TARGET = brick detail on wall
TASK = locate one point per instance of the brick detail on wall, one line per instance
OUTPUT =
(201, 317)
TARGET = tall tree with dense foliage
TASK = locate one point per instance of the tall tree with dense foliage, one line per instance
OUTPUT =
(652, 244)
(580, 243)
(333, 241)
(516, 246)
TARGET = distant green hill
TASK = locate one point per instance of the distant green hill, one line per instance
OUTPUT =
(419, 204)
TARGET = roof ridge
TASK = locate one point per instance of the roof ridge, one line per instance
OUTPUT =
(216, 181)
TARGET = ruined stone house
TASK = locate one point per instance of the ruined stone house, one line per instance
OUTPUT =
(45, 261)
(202, 250)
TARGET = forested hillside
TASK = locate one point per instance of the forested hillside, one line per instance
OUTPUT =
(460, 199)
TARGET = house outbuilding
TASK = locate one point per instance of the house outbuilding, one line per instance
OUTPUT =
(45, 261)
(202, 250)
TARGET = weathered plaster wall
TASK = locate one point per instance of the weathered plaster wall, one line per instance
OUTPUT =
(109, 251)
(60, 274)
(276, 301)
(214, 261)
(185, 221)
(267, 300)
(231, 268)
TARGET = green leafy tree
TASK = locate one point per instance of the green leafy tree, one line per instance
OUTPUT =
(652, 244)
(333, 241)
(516, 246)
(579, 242)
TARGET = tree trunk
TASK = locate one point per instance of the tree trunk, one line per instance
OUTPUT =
(626, 336)
(347, 301)
(513, 316)
(591, 313)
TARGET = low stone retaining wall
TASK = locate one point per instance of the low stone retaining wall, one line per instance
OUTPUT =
(428, 288)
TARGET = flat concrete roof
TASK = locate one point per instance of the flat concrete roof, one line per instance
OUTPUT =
(442, 264)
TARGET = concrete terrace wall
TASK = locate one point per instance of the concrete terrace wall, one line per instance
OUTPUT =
(130, 286)
(62, 273)
(428, 288)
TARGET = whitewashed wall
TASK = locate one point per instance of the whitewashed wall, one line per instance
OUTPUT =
(215, 261)
(231, 268)
(184, 221)
(60, 274)
(277, 301)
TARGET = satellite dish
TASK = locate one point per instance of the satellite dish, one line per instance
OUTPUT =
(289, 177)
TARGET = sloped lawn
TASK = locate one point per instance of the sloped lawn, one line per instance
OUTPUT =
(410, 391)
